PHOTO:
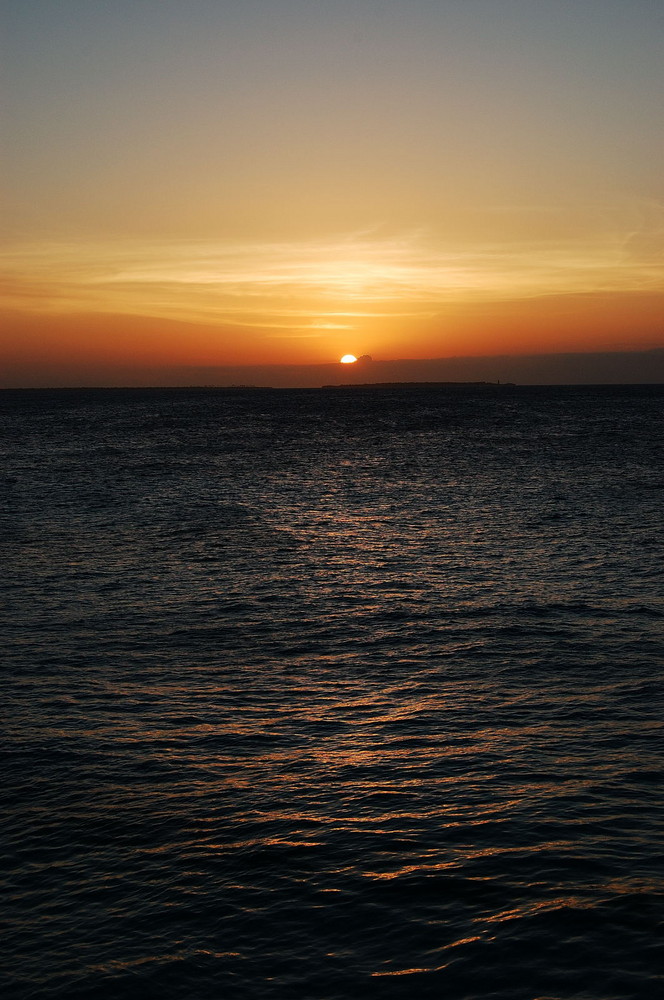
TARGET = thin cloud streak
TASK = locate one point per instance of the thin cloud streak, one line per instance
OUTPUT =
(273, 284)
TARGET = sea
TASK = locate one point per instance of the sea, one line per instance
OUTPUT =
(332, 694)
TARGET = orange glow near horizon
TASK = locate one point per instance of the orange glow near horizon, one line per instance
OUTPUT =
(155, 306)
(468, 221)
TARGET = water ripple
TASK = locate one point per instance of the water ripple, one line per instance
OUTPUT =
(328, 696)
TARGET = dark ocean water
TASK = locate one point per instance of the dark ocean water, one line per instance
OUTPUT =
(333, 694)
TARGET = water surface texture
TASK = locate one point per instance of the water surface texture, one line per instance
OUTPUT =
(333, 694)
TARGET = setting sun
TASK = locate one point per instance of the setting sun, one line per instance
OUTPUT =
(249, 238)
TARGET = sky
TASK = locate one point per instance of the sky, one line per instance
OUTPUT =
(194, 189)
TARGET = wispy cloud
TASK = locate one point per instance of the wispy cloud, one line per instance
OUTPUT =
(327, 284)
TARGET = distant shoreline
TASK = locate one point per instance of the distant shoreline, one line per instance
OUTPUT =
(418, 385)
(210, 387)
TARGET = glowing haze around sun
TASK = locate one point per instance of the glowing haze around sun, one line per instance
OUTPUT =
(442, 180)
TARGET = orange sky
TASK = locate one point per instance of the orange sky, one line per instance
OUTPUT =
(237, 184)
